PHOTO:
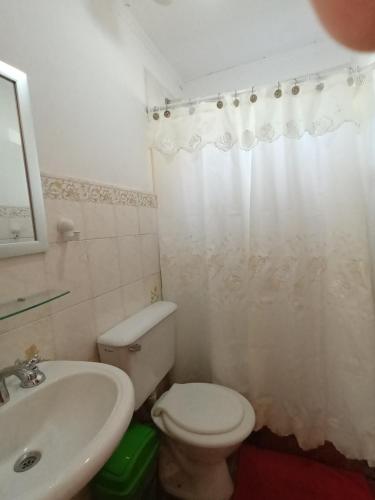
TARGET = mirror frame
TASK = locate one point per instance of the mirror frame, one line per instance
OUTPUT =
(40, 244)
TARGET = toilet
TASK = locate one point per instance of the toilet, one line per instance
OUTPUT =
(203, 424)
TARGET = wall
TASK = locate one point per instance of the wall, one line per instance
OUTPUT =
(85, 60)
(308, 59)
(15, 224)
(112, 272)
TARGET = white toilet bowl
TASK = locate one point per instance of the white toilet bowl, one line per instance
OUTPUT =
(203, 425)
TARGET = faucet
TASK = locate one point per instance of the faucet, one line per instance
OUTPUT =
(28, 373)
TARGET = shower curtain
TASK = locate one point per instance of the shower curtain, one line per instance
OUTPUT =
(266, 221)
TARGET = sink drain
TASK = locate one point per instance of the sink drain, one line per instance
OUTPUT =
(27, 461)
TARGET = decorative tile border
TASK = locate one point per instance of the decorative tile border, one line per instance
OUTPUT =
(6, 211)
(67, 188)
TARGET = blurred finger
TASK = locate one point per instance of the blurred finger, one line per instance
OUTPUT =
(351, 22)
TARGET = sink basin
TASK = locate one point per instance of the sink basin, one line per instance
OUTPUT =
(74, 420)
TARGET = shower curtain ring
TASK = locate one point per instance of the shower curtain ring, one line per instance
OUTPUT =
(167, 113)
(296, 88)
(253, 97)
(320, 85)
(278, 92)
(236, 101)
(350, 79)
(155, 114)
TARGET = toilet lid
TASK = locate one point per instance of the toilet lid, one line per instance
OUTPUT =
(201, 408)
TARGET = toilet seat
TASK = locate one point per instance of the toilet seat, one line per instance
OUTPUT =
(201, 408)
(206, 415)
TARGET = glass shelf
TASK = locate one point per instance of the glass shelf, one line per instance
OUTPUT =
(25, 303)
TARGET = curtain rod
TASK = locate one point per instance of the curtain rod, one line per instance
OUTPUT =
(318, 75)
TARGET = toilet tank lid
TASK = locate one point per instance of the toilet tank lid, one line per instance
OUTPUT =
(129, 331)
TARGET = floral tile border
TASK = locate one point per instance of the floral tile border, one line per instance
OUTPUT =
(67, 188)
(6, 211)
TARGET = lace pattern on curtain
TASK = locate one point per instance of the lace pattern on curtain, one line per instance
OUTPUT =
(313, 111)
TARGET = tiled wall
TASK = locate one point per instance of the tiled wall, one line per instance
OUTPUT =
(112, 271)
(15, 224)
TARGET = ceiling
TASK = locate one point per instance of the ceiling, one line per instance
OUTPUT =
(201, 37)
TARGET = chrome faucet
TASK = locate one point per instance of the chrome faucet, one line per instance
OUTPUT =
(28, 373)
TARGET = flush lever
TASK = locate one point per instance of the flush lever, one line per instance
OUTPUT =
(134, 347)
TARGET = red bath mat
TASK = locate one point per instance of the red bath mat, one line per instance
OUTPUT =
(266, 475)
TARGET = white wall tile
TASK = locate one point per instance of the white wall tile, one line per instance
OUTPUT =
(74, 333)
(67, 269)
(150, 254)
(104, 265)
(134, 298)
(4, 228)
(15, 343)
(147, 220)
(126, 220)
(22, 276)
(22, 224)
(113, 255)
(99, 220)
(109, 310)
(25, 318)
(130, 259)
(57, 209)
(152, 286)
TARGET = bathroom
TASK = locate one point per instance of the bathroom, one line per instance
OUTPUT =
(186, 249)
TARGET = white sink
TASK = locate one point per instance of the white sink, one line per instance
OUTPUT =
(74, 419)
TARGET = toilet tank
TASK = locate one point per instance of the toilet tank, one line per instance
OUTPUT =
(143, 346)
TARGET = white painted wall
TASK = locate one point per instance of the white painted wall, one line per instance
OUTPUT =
(306, 59)
(86, 62)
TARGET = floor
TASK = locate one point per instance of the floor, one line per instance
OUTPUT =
(326, 454)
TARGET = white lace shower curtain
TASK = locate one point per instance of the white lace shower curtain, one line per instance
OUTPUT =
(268, 252)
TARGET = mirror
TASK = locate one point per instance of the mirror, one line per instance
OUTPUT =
(22, 217)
